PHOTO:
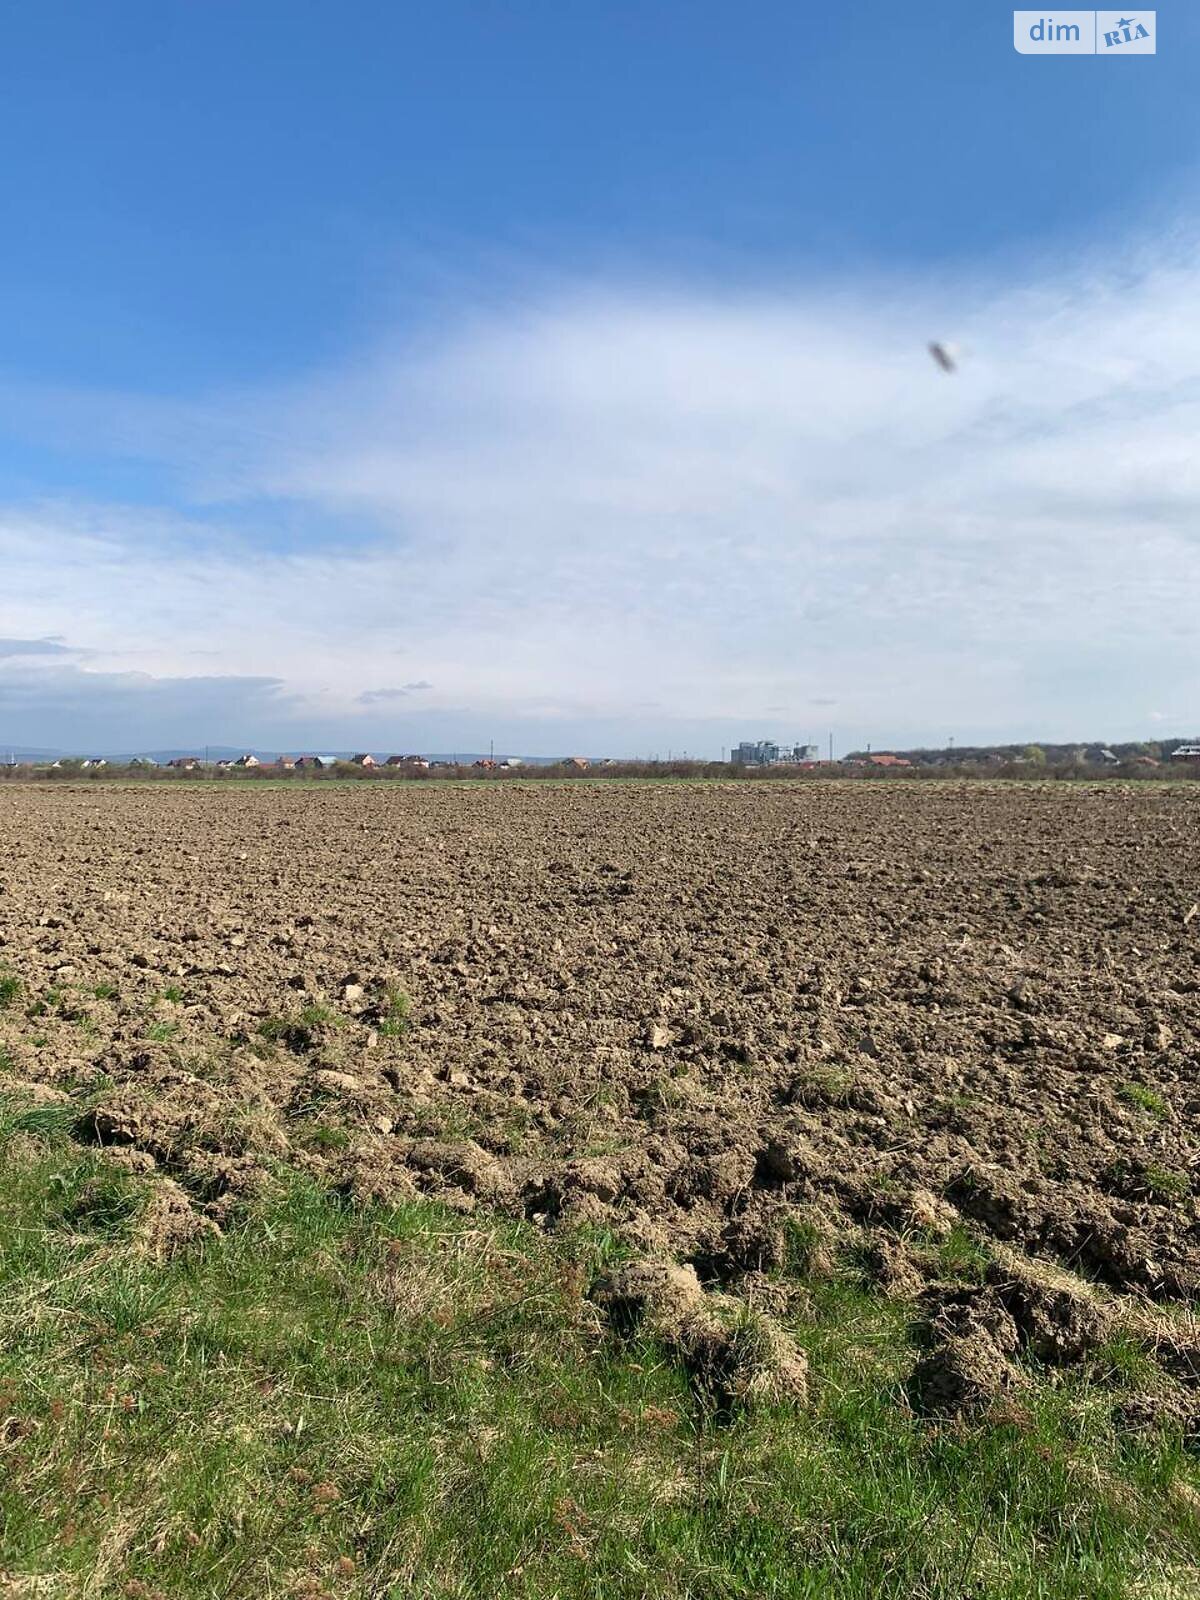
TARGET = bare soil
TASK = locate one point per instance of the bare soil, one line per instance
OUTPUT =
(729, 1022)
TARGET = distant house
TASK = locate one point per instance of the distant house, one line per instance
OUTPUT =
(364, 761)
(577, 762)
(142, 761)
(247, 761)
(1186, 752)
(512, 761)
(407, 761)
(309, 763)
(888, 761)
(184, 763)
(94, 761)
(286, 762)
(488, 766)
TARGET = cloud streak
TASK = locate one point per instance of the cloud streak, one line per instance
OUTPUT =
(375, 697)
(31, 647)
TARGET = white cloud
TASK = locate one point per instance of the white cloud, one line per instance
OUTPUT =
(669, 510)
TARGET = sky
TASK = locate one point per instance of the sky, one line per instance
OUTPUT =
(416, 377)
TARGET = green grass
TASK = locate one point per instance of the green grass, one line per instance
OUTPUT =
(823, 1083)
(1137, 1094)
(1148, 1179)
(382, 1403)
(326, 1136)
(94, 1197)
(961, 1256)
(1123, 1361)
(300, 1032)
(321, 1016)
(397, 1017)
(55, 999)
(1162, 1183)
(805, 1245)
(18, 1117)
(10, 988)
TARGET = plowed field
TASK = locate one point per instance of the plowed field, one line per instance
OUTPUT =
(712, 1018)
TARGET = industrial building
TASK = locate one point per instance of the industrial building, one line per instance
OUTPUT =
(765, 753)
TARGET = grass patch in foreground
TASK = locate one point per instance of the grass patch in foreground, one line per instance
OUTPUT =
(389, 1403)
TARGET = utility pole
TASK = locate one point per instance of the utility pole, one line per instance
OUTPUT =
(831, 747)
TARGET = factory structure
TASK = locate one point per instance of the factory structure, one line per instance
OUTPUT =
(766, 753)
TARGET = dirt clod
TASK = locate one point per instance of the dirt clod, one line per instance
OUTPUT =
(967, 1367)
(734, 1355)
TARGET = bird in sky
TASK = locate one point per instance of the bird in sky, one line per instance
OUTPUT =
(944, 355)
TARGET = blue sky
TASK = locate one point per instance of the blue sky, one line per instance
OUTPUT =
(412, 375)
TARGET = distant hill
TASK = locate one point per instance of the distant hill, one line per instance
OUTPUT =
(1092, 753)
